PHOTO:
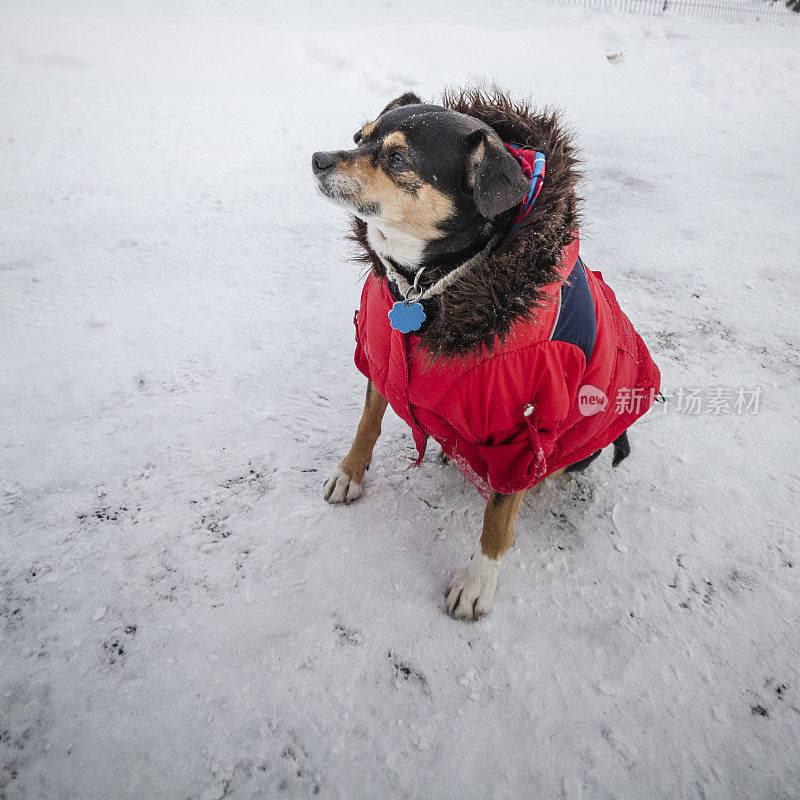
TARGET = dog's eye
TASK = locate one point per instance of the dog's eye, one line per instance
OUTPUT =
(397, 161)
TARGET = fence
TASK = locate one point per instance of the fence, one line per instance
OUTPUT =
(758, 11)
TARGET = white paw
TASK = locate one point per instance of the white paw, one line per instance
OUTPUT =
(340, 489)
(471, 592)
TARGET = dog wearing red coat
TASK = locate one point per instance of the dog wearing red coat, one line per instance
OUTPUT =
(479, 323)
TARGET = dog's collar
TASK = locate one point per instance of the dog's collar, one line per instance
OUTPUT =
(405, 288)
(533, 165)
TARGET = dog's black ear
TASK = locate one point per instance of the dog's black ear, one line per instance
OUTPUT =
(493, 174)
(407, 99)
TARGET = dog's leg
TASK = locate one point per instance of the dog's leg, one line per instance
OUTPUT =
(345, 482)
(471, 592)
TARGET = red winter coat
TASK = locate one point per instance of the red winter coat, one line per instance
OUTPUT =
(511, 417)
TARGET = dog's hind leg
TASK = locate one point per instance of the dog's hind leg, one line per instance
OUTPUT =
(622, 448)
(345, 483)
(580, 466)
(471, 592)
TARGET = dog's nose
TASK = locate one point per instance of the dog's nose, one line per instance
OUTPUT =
(322, 161)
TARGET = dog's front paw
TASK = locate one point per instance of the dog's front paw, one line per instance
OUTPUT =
(471, 592)
(341, 488)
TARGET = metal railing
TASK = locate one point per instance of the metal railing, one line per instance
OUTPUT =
(758, 11)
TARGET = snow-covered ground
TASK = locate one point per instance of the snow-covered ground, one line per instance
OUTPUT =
(181, 614)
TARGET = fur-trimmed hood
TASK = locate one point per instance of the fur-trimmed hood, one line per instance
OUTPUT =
(491, 297)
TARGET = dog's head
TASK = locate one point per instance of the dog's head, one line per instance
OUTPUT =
(421, 174)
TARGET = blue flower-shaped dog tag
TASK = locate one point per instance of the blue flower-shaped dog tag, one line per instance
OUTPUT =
(406, 317)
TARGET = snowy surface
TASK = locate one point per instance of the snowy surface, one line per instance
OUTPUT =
(181, 614)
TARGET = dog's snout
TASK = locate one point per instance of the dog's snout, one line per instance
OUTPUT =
(322, 161)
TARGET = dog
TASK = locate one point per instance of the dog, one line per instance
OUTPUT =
(479, 322)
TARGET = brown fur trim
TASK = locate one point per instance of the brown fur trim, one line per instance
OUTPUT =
(506, 288)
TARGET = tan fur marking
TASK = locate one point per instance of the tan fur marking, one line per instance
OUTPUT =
(396, 139)
(366, 131)
(418, 215)
(498, 523)
(369, 429)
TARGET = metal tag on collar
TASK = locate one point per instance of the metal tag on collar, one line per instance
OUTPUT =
(408, 315)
